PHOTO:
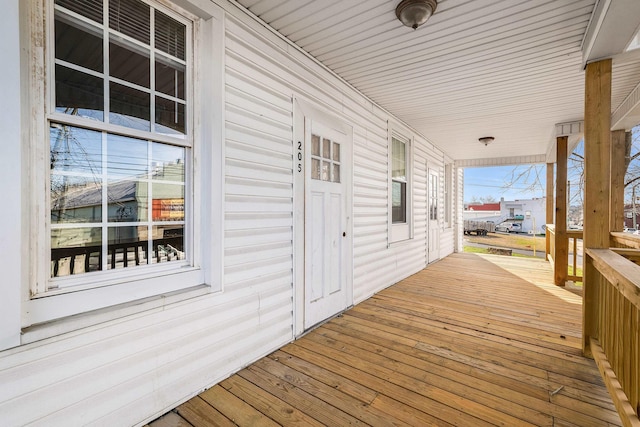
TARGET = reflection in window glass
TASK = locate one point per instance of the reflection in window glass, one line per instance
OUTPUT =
(326, 148)
(78, 45)
(131, 17)
(79, 94)
(129, 107)
(170, 35)
(75, 150)
(168, 243)
(75, 251)
(336, 173)
(75, 199)
(336, 152)
(170, 78)
(127, 246)
(91, 9)
(398, 202)
(315, 169)
(167, 162)
(127, 201)
(127, 157)
(170, 116)
(168, 202)
(129, 63)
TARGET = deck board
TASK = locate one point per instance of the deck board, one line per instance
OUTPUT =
(473, 340)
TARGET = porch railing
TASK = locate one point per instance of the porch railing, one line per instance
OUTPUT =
(614, 278)
(573, 245)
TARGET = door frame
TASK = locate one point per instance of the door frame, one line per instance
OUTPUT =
(304, 110)
(433, 169)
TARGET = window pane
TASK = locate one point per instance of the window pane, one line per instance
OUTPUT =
(315, 169)
(326, 148)
(398, 157)
(127, 157)
(75, 150)
(75, 250)
(91, 9)
(325, 171)
(169, 116)
(130, 17)
(129, 107)
(168, 243)
(170, 35)
(167, 162)
(398, 202)
(315, 145)
(168, 202)
(79, 94)
(78, 45)
(127, 201)
(75, 199)
(336, 173)
(127, 246)
(336, 152)
(130, 63)
(170, 78)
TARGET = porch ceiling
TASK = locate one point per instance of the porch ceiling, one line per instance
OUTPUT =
(510, 69)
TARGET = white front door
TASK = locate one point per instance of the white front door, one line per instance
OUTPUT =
(433, 212)
(326, 290)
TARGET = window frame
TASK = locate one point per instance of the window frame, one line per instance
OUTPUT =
(400, 231)
(448, 195)
(110, 288)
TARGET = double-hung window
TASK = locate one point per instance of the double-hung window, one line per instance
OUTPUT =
(400, 183)
(120, 138)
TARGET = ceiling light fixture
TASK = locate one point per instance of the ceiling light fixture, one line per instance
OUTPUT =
(414, 13)
(486, 140)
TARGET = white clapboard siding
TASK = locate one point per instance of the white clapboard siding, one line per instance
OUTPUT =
(132, 369)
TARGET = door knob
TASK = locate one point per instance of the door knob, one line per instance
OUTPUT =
(344, 234)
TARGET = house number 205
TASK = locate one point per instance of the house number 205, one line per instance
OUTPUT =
(299, 156)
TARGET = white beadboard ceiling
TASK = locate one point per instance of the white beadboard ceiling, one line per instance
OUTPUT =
(510, 69)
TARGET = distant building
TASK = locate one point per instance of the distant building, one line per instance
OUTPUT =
(529, 214)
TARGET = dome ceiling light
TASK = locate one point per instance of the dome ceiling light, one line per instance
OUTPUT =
(414, 13)
(486, 140)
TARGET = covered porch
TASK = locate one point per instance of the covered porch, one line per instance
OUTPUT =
(495, 343)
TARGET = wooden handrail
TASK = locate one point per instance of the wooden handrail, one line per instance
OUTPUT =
(616, 348)
(625, 240)
(572, 236)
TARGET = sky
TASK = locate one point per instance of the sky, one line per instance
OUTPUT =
(493, 181)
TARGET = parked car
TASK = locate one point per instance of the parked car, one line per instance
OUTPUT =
(509, 227)
(630, 230)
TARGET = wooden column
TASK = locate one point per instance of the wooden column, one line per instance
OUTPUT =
(561, 259)
(550, 206)
(616, 204)
(597, 152)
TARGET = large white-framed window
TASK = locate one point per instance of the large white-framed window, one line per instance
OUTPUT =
(400, 187)
(119, 145)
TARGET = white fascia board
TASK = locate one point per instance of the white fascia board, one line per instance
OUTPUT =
(627, 115)
(612, 26)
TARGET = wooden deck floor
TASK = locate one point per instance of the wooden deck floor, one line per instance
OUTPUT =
(473, 340)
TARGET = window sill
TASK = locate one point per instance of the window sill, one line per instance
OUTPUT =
(72, 323)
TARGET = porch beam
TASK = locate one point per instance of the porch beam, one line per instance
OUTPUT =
(561, 258)
(550, 206)
(597, 151)
(616, 199)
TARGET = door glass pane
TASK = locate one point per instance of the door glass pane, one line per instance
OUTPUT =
(336, 173)
(315, 145)
(79, 94)
(315, 169)
(336, 152)
(78, 44)
(127, 246)
(129, 107)
(75, 250)
(129, 62)
(325, 171)
(326, 148)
